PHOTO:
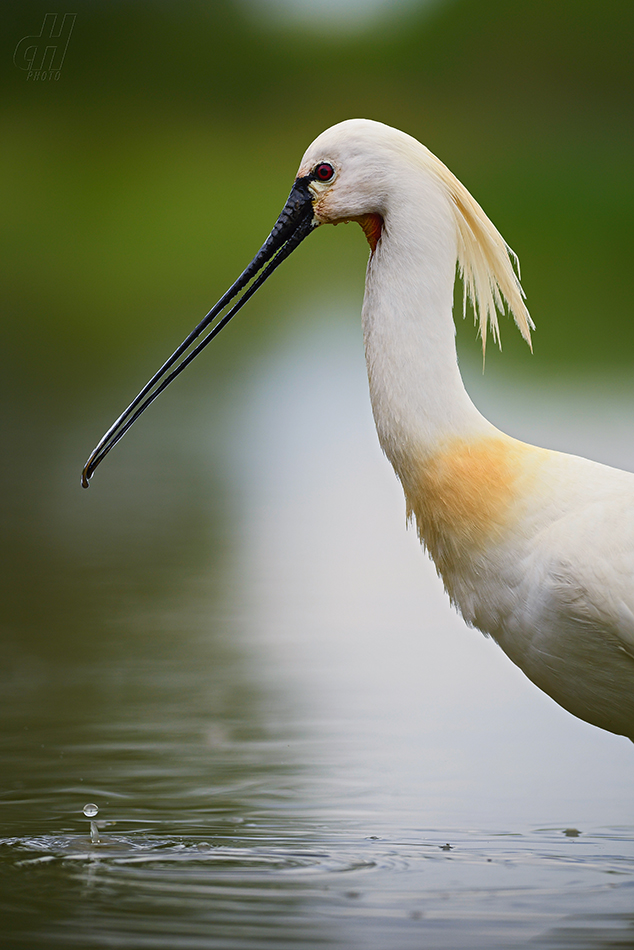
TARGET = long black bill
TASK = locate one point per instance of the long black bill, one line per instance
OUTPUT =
(295, 222)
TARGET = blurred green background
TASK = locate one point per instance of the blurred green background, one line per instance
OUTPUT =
(138, 185)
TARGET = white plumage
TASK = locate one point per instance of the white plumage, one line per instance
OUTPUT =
(535, 548)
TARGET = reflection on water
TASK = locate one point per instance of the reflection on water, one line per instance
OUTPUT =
(233, 648)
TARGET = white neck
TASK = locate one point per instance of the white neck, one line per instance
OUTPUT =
(418, 397)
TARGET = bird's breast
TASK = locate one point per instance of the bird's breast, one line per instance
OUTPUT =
(470, 495)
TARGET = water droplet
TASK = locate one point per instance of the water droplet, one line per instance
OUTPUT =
(90, 810)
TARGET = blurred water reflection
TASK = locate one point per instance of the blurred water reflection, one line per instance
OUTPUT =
(233, 647)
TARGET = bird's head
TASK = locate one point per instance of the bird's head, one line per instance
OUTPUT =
(346, 171)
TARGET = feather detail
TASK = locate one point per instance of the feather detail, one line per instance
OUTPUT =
(487, 266)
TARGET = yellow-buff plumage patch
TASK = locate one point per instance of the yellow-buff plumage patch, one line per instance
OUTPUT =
(468, 494)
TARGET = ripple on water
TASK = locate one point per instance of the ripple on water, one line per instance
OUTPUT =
(454, 889)
(226, 858)
(607, 850)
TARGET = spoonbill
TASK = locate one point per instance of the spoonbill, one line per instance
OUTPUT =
(535, 547)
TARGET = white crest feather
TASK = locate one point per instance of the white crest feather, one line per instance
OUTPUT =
(485, 262)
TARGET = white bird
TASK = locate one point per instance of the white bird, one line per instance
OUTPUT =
(535, 547)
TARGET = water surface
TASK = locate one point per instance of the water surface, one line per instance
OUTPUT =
(233, 647)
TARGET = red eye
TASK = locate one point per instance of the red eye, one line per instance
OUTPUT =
(324, 171)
